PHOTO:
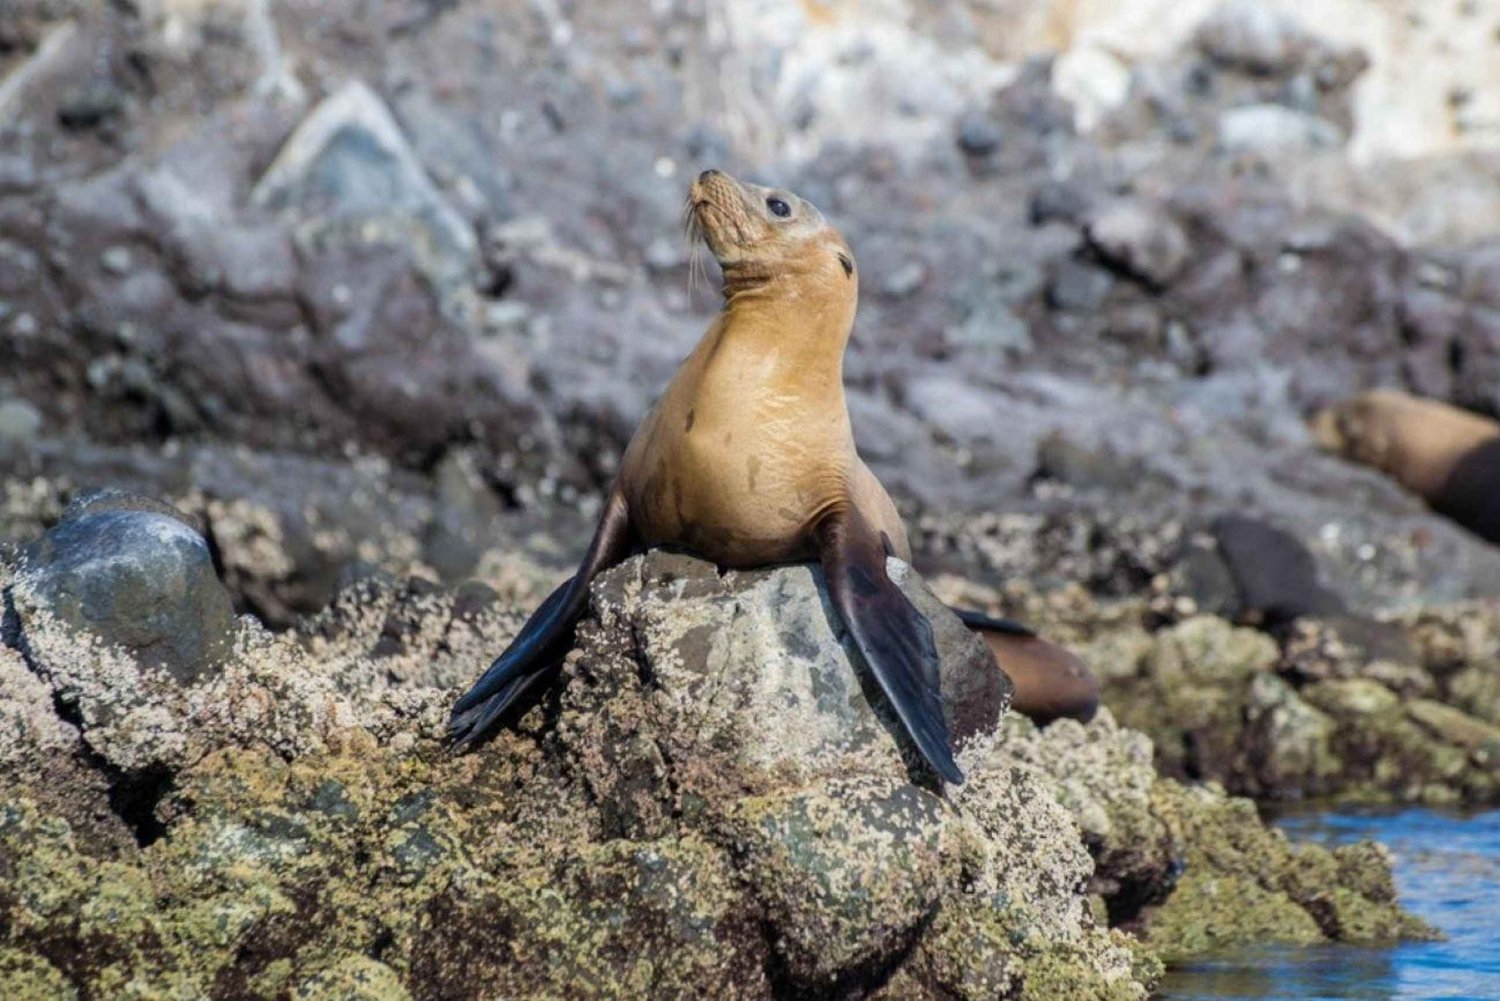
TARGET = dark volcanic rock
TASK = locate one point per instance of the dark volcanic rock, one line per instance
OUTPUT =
(1274, 573)
(136, 576)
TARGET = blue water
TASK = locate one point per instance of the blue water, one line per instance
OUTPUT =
(1447, 871)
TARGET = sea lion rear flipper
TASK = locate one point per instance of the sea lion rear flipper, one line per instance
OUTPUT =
(545, 639)
(892, 636)
(978, 620)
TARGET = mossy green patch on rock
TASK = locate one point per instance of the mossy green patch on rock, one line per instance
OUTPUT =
(353, 978)
(25, 976)
(1244, 883)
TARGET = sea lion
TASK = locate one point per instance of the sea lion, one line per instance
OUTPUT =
(1449, 456)
(1049, 681)
(748, 459)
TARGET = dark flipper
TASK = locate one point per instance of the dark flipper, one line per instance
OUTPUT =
(978, 620)
(545, 639)
(892, 636)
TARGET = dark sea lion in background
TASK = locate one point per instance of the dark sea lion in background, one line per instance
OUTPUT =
(1451, 457)
(1051, 682)
(748, 459)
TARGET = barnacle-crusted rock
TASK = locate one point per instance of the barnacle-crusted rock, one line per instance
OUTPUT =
(376, 660)
(847, 870)
(1193, 870)
(1365, 710)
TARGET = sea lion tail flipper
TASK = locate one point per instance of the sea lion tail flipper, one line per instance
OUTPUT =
(989, 623)
(892, 636)
(545, 638)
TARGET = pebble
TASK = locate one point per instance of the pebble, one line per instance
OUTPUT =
(116, 260)
(978, 134)
(19, 420)
(905, 280)
(1078, 288)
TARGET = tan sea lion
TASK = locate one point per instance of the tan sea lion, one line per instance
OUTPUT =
(1449, 456)
(748, 459)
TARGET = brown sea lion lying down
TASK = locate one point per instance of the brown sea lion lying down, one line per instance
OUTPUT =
(1449, 456)
(748, 459)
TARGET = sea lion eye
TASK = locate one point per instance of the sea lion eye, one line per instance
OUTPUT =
(778, 207)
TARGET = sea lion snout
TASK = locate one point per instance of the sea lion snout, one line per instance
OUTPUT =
(718, 207)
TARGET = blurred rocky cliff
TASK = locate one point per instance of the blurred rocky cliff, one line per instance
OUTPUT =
(394, 281)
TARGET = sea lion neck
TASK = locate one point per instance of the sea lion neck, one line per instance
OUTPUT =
(794, 305)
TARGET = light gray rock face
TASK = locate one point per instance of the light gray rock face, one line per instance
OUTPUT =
(1271, 128)
(1251, 37)
(1140, 239)
(349, 160)
(747, 670)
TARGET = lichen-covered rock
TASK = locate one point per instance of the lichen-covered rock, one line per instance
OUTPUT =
(1194, 871)
(1333, 705)
(353, 978)
(689, 816)
(1243, 883)
(714, 803)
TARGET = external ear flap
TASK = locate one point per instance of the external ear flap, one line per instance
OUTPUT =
(847, 263)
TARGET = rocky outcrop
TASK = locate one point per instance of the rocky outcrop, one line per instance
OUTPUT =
(1308, 702)
(1169, 856)
(710, 803)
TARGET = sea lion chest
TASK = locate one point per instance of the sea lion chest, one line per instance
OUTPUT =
(743, 453)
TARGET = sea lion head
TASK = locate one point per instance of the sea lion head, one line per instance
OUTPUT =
(758, 234)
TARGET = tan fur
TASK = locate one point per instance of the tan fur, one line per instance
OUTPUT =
(1050, 681)
(750, 446)
(1417, 441)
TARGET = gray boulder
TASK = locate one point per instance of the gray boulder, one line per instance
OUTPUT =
(133, 573)
(349, 160)
(1139, 239)
(727, 706)
(745, 673)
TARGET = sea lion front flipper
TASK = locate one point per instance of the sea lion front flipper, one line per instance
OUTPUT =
(893, 637)
(545, 638)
